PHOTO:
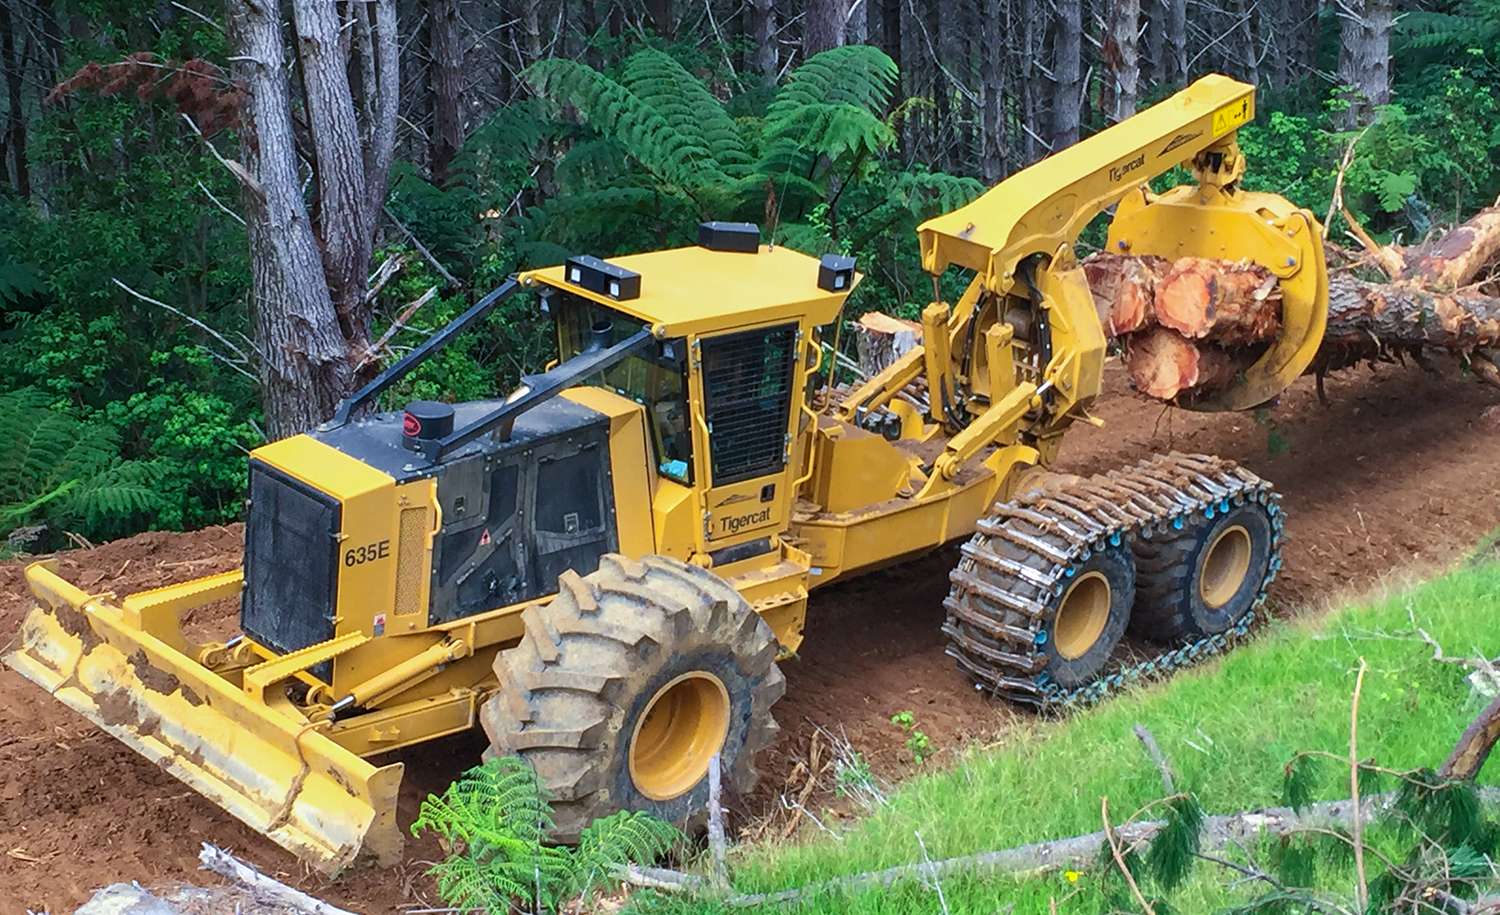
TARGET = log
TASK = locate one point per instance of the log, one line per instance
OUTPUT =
(1164, 364)
(1213, 300)
(1456, 259)
(264, 888)
(881, 339)
(1124, 290)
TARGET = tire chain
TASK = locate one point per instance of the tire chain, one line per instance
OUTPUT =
(1162, 495)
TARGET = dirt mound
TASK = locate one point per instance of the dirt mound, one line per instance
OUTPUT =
(1397, 473)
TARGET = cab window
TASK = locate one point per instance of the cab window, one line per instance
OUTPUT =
(656, 380)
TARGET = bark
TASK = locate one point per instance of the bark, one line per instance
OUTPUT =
(1365, 57)
(265, 889)
(1177, 39)
(1474, 747)
(662, 21)
(823, 26)
(15, 128)
(1154, 69)
(304, 364)
(1120, 56)
(531, 32)
(857, 29)
(447, 86)
(1380, 318)
(881, 339)
(1068, 71)
(342, 221)
(1245, 47)
(763, 31)
(992, 88)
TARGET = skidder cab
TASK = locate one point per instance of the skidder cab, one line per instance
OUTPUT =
(391, 556)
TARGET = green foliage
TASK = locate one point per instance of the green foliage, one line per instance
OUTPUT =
(62, 473)
(1175, 846)
(918, 744)
(810, 161)
(495, 818)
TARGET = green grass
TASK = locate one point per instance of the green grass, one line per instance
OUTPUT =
(1229, 728)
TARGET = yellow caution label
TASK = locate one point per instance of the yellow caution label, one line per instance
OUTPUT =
(1231, 116)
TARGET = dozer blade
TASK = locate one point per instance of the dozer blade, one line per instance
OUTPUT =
(283, 778)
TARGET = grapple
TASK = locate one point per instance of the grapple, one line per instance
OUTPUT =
(127, 668)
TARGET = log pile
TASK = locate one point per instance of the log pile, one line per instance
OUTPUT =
(1192, 326)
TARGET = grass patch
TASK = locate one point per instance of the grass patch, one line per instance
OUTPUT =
(1229, 729)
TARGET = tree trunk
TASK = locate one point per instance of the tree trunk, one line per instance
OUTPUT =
(1067, 69)
(304, 359)
(823, 26)
(992, 86)
(447, 86)
(341, 220)
(531, 32)
(763, 31)
(857, 29)
(15, 128)
(1458, 256)
(1365, 57)
(1177, 40)
(1154, 68)
(1164, 364)
(1121, 58)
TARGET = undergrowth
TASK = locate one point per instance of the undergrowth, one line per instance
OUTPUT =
(1229, 728)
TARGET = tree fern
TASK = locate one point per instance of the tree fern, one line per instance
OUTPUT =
(58, 469)
(858, 75)
(495, 817)
(661, 82)
(682, 158)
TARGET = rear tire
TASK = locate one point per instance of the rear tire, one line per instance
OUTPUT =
(626, 684)
(1204, 580)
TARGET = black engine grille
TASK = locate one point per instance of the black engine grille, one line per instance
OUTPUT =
(747, 380)
(291, 562)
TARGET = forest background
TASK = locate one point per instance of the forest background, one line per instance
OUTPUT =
(216, 220)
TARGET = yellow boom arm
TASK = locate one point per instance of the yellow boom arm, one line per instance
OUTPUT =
(993, 383)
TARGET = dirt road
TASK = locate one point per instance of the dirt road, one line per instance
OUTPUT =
(1399, 473)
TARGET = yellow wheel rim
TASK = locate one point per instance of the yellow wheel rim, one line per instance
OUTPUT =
(677, 735)
(1081, 615)
(1226, 562)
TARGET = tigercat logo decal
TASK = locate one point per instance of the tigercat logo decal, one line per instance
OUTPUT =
(1120, 171)
(1182, 139)
(736, 523)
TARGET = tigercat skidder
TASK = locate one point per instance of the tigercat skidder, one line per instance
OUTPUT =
(602, 568)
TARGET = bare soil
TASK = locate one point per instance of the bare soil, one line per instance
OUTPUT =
(1397, 475)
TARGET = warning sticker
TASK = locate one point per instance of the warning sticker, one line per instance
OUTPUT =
(1231, 116)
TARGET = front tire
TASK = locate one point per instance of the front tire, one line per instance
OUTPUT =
(624, 687)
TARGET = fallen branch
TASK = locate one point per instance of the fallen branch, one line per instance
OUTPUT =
(265, 889)
(373, 354)
(1079, 853)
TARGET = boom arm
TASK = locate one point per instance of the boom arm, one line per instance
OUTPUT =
(1021, 355)
(1046, 206)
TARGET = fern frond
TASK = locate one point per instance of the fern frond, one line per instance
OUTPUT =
(1300, 780)
(612, 109)
(657, 79)
(124, 489)
(609, 842)
(858, 75)
(928, 194)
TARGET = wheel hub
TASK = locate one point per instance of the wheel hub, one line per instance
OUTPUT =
(677, 735)
(1081, 615)
(1226, 562)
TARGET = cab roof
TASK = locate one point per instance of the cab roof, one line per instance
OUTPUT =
(698, 291)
